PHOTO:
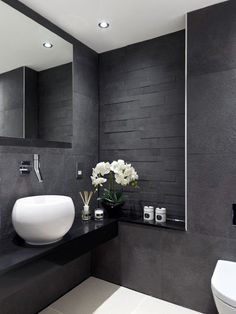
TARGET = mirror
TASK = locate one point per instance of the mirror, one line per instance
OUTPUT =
(35, 80)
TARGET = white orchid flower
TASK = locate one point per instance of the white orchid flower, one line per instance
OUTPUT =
(124, 173)
(98, 181)
(102, 168)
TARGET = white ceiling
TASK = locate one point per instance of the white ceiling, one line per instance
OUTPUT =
(131, 20)
(21, 42)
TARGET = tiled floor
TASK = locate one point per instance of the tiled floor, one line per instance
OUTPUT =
(95, 296)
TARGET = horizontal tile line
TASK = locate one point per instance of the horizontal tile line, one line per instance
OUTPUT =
(153, 106)
(174, 114)
(168, 148)
(175, 195)
(137, 148)
(125, 149)
(177, 204)
(159, 66)
(120, 102)
(161, 92)
(146, 161)
(174, 170)
(143, 92)
(118, 132)
(157, 181)
(154, 65)
(162, 181)
(159, 137)
(117, 120)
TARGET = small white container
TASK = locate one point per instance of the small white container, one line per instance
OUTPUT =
(160, 214)
(148, 213)
(98, 214)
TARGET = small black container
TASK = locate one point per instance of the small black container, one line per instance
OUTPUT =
(112, 210)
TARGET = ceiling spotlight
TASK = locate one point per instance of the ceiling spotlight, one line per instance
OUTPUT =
(103, 24)
(47, 44)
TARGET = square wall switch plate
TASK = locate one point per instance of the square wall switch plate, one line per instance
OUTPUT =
(79, 170)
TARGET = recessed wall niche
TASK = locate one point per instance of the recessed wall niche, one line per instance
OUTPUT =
(142, 119)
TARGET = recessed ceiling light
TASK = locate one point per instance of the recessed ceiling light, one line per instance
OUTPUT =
(47, 44)
(103, 24)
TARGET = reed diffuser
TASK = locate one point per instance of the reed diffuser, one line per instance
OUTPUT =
(86, 198)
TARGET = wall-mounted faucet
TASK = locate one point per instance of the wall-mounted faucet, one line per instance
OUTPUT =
(25, 167)
(37, 167)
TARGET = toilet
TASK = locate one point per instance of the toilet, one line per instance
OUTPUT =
(223, 285)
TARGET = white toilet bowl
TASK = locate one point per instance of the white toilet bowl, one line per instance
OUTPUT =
(223, 285)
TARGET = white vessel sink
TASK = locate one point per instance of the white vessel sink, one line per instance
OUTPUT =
(43, 219)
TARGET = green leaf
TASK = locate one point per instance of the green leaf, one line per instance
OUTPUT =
(108, 200)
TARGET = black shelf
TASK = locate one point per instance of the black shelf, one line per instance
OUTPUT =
(82, 238)
(169, 224)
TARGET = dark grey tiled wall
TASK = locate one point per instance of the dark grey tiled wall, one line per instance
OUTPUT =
(172, 265)
(32, 288)
(55, 103)
(211, 119)
(58, 165)
(30, 103)
(41, 283)
(142, 118)
(212, 48)
(177, 266)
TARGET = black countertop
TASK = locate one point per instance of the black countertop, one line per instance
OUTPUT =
(83, 237)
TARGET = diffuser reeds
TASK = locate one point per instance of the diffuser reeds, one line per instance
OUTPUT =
(86, 197)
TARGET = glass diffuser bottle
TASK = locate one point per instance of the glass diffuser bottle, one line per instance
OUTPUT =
(86, 198)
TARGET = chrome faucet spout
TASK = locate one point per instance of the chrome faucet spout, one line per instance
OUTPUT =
(37, 167)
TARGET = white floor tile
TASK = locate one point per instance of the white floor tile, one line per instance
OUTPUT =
(49, 310)
(156, 306)
(123, 301)
(85, 298)
(95, 296)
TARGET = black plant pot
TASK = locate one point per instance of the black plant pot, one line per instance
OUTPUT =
(112, 210)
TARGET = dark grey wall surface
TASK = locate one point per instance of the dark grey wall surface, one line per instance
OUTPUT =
(142, 90)
(59, 172)
(58, 169)
(11, 103)
(31, 103)
(31, 288)
(55, 103)
(177, 266)
(211, 119)
(58, 165)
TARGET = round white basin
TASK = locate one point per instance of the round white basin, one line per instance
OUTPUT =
(43, 219)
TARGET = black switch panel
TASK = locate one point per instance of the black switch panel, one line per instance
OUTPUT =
(234, 214)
